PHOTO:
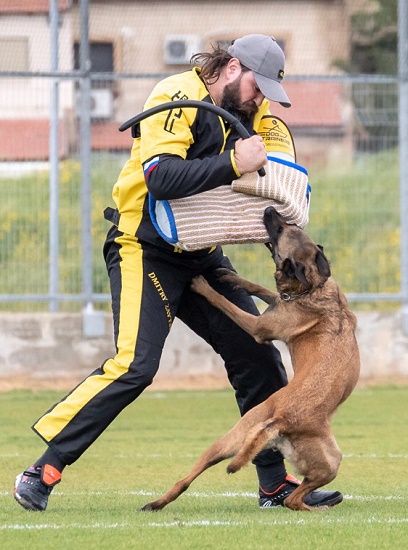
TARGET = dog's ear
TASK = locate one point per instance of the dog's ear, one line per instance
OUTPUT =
(300, 274)
(323, 266)
(295, 270)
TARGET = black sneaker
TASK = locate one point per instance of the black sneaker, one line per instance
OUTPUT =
(313, 499)
(33, 487)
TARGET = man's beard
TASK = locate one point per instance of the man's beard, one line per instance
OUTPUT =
(231, 102)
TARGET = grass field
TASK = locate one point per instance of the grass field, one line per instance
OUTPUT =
(156, 440)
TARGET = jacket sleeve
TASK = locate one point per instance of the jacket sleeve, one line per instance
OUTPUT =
(165, 141)
(172, 177)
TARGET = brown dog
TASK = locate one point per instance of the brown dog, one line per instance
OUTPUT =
(310, 314)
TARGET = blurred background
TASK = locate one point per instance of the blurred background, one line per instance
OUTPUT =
(71, 72)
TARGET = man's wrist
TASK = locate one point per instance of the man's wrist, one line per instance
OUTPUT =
(234, 164)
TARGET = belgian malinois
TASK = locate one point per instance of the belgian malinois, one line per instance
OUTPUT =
(311, 315)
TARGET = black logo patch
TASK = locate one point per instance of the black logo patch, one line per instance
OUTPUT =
(174, 114)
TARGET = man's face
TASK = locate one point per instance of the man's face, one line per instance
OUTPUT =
(242, 97)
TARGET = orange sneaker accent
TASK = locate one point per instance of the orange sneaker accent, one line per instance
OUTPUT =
(288, 478)
(275, 491)
(50, 475)
(292, 479)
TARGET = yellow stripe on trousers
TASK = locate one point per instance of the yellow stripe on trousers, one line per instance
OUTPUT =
(52, 423)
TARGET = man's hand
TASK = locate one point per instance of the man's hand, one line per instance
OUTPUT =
(250, 154)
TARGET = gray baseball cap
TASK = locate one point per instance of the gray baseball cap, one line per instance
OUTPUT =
(264, 57)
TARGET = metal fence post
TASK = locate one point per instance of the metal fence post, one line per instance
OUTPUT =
(93, 321)
(403, 151)
(54, 168)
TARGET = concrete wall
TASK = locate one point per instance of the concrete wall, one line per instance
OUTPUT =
(49, 350)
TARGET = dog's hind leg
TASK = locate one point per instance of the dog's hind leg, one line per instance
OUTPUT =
(318, 459)
(225, 447)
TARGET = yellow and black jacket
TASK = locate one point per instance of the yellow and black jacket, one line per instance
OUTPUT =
(178, 153)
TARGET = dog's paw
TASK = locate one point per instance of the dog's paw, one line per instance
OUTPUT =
(220, 271)
(147, 508)
(233, 467)
(227, 275)
(150, 507)
(199, 284)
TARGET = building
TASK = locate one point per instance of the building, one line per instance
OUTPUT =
(143, 41)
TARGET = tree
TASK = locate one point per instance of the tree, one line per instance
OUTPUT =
(374, 39)
(374, 43)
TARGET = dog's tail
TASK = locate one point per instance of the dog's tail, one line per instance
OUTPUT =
(263, 435)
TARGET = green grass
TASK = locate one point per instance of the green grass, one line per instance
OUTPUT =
(354, 214)
(156, 440)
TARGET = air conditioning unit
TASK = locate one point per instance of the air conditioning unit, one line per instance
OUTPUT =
(178, 48)
(101, 103)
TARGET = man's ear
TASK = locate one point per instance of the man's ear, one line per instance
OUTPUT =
(233, 69)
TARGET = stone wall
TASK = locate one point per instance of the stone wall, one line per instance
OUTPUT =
(50, 350)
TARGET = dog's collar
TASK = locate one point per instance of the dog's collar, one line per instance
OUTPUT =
(289, 298)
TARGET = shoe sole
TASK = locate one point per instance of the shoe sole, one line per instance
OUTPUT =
(329, 503)
(323, 506)
(24, 501)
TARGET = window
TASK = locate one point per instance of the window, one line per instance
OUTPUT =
(14, 54)
(101, 54)
(102, 91)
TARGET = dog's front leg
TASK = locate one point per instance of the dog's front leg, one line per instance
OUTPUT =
(264, 294)
(247, 321)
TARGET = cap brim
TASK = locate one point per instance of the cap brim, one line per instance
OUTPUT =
(272, 90)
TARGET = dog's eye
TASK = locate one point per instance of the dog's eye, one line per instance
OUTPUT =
(280, 229)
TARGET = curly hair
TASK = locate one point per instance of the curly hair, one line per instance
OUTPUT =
(212, 63)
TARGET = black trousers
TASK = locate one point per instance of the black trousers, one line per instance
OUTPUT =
(150, 287)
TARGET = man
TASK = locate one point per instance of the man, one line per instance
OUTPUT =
(178, 153)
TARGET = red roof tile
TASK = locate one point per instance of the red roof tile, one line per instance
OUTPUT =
(313, 104)
(28, 140)
(106, 136)
(30, 6)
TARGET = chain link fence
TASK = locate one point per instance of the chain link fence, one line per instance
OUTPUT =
(81, 69)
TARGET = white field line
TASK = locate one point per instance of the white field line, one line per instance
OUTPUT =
(202, 523)
(198, 494)
(194, 456)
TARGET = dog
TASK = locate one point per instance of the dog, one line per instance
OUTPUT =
(311, 315)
